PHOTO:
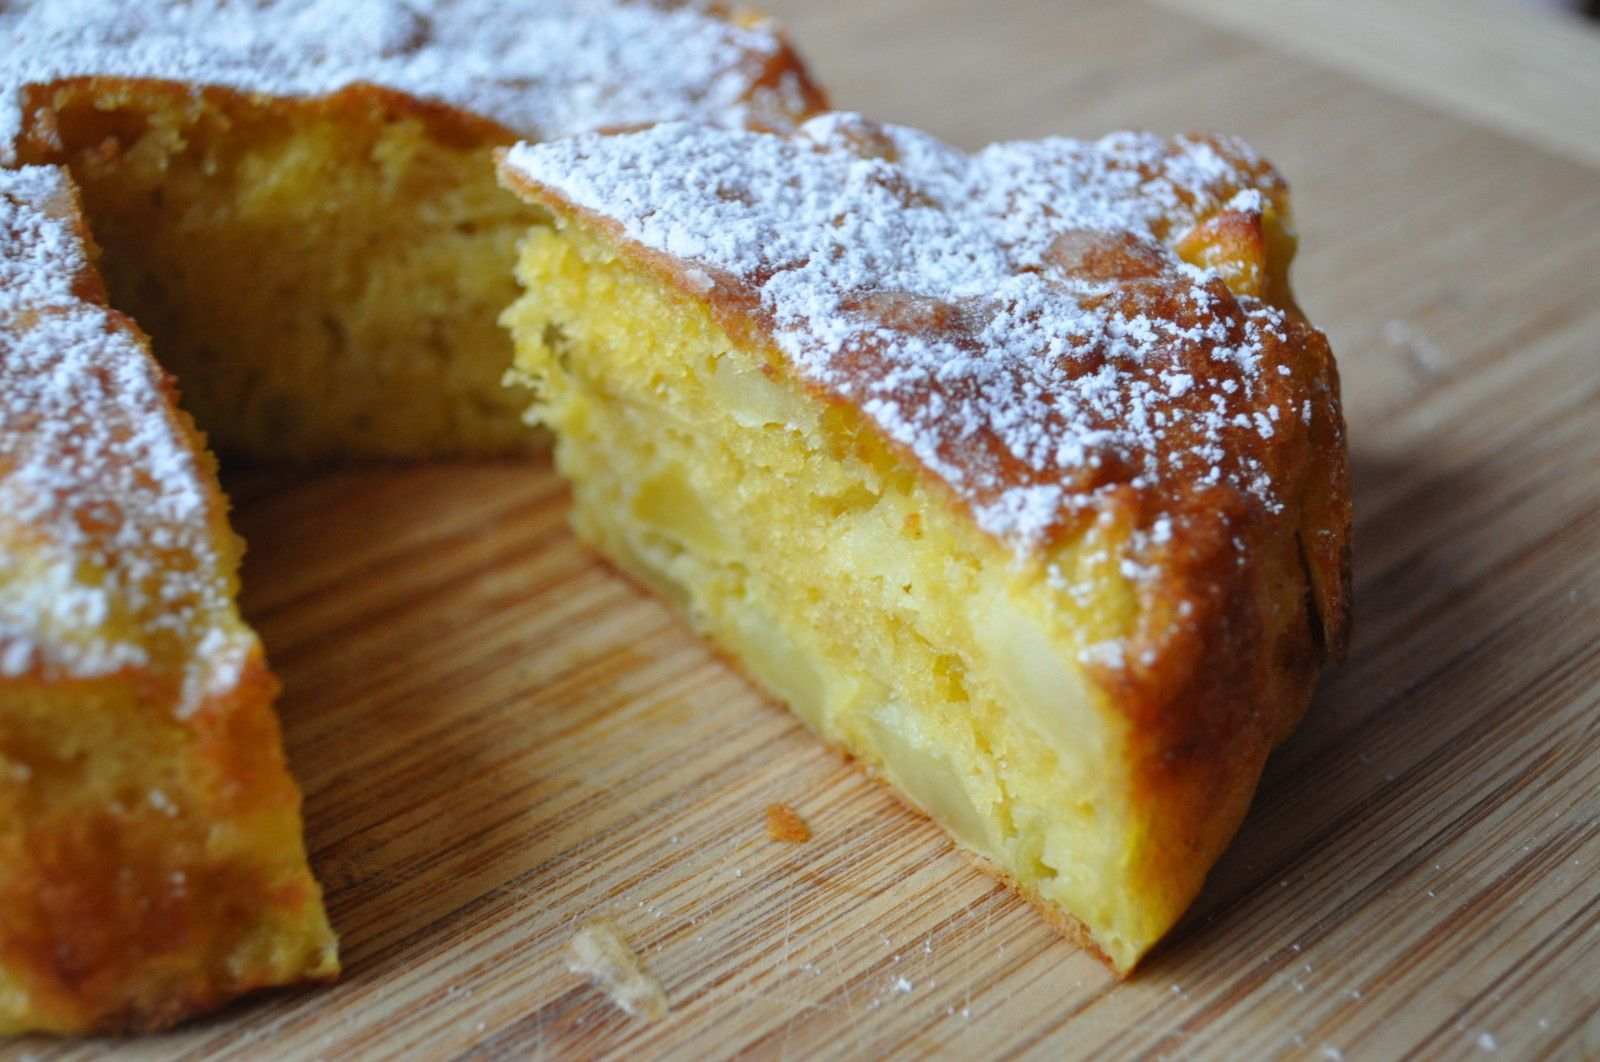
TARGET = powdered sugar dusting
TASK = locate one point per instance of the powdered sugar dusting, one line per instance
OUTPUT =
(541, 68)
(107, 515)
(1016, 318)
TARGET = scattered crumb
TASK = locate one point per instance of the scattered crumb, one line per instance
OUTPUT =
(903, 985)
(1416, 345)
(599, 952)
(783, 824)
(1488, 1042)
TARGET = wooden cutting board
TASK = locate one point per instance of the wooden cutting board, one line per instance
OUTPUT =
(499, 738)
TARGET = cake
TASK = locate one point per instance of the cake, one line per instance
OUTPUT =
(1017, 475)
(297, 201)
(151, 861)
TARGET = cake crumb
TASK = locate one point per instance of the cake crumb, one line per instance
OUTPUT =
(599, 952)
(785, 824)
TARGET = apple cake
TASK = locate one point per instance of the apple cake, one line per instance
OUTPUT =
(1017, 475)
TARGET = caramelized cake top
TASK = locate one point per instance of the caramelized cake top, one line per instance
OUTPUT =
(112, 551)
(539, 68)
(1049, 328)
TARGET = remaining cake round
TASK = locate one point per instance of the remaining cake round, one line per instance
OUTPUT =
(1017, 474)
(296, 201)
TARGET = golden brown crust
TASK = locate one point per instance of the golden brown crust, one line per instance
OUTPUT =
(774, 88)
(539, 68)
(53, 111)
(1295, 382)
(1327, 514)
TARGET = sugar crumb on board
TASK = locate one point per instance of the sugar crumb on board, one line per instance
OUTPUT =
(785, 824)
(599, 952)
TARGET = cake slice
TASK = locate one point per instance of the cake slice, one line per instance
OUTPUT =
(1017, 475)
(297, 201)
(151, 860)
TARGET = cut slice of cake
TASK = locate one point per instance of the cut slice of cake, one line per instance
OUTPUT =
(1016, 474)
(297, 200)
(151, 860)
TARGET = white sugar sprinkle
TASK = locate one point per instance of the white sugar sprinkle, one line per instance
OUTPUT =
(954, 300)
(541, 68)
(112, 557)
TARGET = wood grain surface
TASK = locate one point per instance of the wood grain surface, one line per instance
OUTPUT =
(1530, 71)
(499, 738)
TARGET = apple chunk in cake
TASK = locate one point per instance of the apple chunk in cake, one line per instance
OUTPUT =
(1018, 474)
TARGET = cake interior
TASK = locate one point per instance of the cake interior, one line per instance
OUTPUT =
(322, 276)
(847, 586)
(153, 872)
